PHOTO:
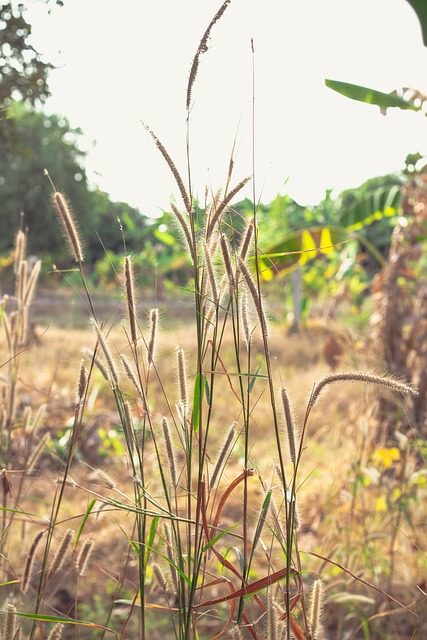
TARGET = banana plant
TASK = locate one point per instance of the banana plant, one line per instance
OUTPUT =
(404, 98)
(299, 247)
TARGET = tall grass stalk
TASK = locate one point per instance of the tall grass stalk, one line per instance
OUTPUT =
(189, 519)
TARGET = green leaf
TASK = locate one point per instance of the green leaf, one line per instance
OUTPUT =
(166, 238)
(254, 378)
(420, 8)
(62, 620)
(218, 537)
(207, 393)
(370, 96)
(85, 517)
(371, 206)
(173, 564)
(199, 384)
(5, 584)
(150, 538)
(266, 500)
(239, 556)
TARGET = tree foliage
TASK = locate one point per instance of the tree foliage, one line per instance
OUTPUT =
(23, 71)
(41, 142)
(22, 68)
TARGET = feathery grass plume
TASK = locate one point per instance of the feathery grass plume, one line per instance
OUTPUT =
(289, 421)
(170, 452)
(247, 329)
(221, 291)
(179, 181)
(130, 297)
(57, 631)
(186, 232)
(211, 273)
(235, 633)
(272, 617)
(104, 479)
(69, 225)
(154, 318)
(316, 610)
(278, 470)
(210, 238)
(255, 297)
(38, 418)
(99, 510)
(182, 377)
(83, 557)
(355, 376)
(90, 354)
(223, 455)
(131, 375)
(246, 241)
(160, 576)
(226, 256)
(21, 280)
(202, 48)
(35, 456)
(9, 622)
(170, 546)
(113, 378)
(22, 325)
(297, 516)
(275, 513)
(31, 283)
(224, 203)
(20, 250)
(81, 382)
(27, 417)
(262, 519)
(128, 427)
(61, 553)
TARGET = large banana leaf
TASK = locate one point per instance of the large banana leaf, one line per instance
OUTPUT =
(371, 206)
(420, 8)
(300, 247)
(371, 96)
(304, 245)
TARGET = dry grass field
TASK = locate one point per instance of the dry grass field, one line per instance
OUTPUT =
(361, 502)
(194, 471)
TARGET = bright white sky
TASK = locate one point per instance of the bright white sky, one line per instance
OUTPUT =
(122, 62)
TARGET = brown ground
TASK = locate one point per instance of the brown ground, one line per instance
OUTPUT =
(352, 513)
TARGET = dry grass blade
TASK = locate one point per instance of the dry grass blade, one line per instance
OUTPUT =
(361, 580)
(253, 588)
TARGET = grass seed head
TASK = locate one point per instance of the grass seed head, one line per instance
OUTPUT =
(223, 455)
(57, 631)
(69, 225)
(170, 452)
(130, 297)
(316, 610)
(9, 622)
(113, 377)
(154, 319)
(62, 552)
(182, 377)
(83, 557)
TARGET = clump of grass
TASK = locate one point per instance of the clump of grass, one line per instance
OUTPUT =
(222, 569)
